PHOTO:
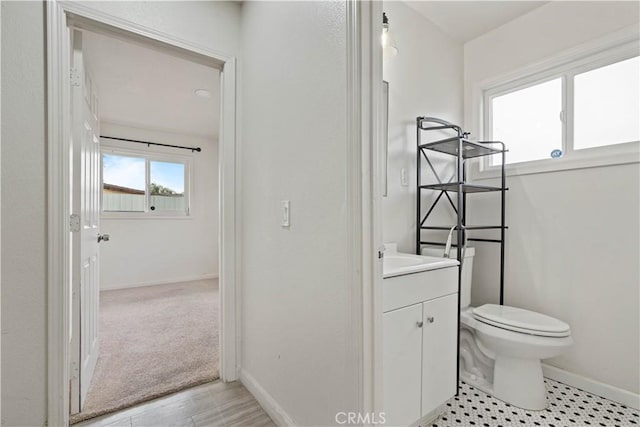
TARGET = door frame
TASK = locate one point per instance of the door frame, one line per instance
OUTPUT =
(61, 16)
(364, 195)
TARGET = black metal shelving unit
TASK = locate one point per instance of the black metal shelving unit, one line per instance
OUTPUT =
(462, 149)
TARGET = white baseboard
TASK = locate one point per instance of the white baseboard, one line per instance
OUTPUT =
(268, 403)
(607, 391)
(159, 282)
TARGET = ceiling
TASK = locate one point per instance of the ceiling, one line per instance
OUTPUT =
(147, 88)
(466, 20)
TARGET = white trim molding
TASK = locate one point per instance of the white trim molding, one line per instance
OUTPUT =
(607, 391)
(229, 226)
(159, 282)
(364, 192)
(0, 234)
(58, 200)
(268, 403)
(354, 196)
(60, 16)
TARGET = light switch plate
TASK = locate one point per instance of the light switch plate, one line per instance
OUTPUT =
(285, 213)
(404, 179)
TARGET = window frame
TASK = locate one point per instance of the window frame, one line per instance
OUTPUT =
(565, 66)
(512, 87)
(149, 157)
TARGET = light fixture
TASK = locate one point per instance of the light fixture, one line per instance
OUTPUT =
(202, 93)
(388, 45)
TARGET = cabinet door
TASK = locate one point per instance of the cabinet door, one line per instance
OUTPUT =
(439, 351)
(402, 347)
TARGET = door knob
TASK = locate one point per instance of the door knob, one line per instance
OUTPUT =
(102, 237)
(419, 324)
(430, 319)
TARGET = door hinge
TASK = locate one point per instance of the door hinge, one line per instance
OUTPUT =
(74, 77)
(74, 223)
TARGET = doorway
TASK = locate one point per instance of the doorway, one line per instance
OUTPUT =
(152, 316)
(63, 18)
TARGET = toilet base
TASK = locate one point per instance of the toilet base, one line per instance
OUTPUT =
(519, 382)
(516, 381)
(507, 364)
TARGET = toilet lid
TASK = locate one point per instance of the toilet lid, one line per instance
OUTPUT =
(520, 320)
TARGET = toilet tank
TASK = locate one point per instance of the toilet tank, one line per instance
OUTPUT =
(467, 268)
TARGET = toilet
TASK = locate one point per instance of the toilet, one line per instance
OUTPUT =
(501, 347)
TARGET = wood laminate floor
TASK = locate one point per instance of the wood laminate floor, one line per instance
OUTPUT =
(212, 404)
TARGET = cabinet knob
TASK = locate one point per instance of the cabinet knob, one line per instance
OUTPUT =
(430, 319)
(419, 324)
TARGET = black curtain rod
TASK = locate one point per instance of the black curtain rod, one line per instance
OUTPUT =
(198, 149)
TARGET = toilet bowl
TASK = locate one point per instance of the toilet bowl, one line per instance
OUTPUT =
(501, 347)
(516, 352)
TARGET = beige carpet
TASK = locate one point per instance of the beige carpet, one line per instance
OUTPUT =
(154, 341)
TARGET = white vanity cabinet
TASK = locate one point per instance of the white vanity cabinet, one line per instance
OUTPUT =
(419, 343)
(439, 351)
(402, 362)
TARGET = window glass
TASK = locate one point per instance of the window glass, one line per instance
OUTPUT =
(528, 121)
(123, 188)
(166, 187)
(607, 105)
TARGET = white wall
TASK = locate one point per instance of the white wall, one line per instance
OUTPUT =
(573, 242)
(0, 227)
(296, 308)
(213, 25)
(23, 214)
(152, 251)
(425, 79)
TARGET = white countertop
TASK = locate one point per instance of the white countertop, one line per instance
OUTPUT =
(398, 264)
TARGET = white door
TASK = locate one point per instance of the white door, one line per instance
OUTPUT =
(86, 209)
(439, 351)
(401, 360)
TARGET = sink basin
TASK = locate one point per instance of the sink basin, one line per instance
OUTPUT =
(398, 264)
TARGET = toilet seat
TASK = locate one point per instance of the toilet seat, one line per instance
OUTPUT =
(520, 320)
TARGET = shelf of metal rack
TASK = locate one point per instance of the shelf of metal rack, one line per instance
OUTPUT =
(470, 149)
(460, 186)
(465, 227)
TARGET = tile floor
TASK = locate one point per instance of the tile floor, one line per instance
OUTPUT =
(212, 404)
(568, 406)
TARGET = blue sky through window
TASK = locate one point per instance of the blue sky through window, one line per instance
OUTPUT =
(170, 175)
(123, 171)
(129, 172)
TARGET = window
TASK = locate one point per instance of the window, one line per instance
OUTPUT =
(529, 120)
(166, 186)
(142, 184)
(575, 111)
(606, 105)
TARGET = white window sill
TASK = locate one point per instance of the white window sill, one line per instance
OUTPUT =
(591, 158)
